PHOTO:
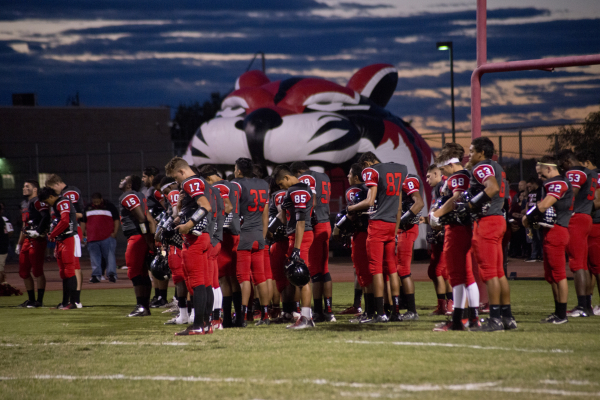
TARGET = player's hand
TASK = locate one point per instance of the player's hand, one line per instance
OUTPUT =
(113, 235)
(18, 249)
(185, 228)
(33, 233)
(423, 220)
(295, 254)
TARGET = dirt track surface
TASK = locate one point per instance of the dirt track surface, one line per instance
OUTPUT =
(340, 268)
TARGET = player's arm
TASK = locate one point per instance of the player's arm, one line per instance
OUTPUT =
(152, 223)
(597, 199)
(203, 210)
(399, 212)
(65, 210)
(448, 206)
(419, 203)
(265, 221)
(300, 226)
(368, 202)
(45, 221)
(227, 205)
(542, 206)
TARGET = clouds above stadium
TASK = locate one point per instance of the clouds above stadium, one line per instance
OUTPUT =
(134, 53)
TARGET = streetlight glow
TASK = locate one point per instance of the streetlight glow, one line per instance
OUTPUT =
(443, 48)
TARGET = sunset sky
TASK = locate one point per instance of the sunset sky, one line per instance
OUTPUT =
(151, 53)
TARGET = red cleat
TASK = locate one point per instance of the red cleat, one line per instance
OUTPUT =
(440, 309)
(190, 331)
(352, 311)
(449, 307)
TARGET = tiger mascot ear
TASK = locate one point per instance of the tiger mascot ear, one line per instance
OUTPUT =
(376, 82)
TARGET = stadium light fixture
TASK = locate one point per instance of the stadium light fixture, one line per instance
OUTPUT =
(448, 46)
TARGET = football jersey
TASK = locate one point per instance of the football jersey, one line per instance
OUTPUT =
(231, 191)
(74, 194)
(192, 188)
(253, 200)
(35, 214)
(297, 204)
(586, 181)
(154, 206)
(173, 197)
(64, 211)
(216, 227)
(363, 223)
(320, 185)
(458, 182)
(127, 202)
(275, 203)
(560, 188)
(412, 184)
(388, 177)
(483, 171)
(596, 214)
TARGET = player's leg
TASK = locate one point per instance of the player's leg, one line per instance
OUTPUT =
(390, 269)
(25, 273)
(594, 261)
(305, 320)
(555, 242)
(243, 264)
(434, 271)
(176, 265)
(579, 229)
(406, 241)
(375, 248)
(135, 257)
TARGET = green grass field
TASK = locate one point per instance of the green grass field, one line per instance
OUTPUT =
(98, 352)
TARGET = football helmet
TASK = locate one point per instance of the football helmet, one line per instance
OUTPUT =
(297, 272)
(160, 267)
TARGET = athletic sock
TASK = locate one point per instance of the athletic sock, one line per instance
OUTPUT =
(357, 296)
(370, 304)
(288, 307)
(449, 296)
(305, 312)
(199, 306)
(298, 306)
(77, 296)
(387, 308)
(41, 295)
(190, 304)
(495, 311)
(379, 306)
(457, 318)
(328, 303)
(410, 302)
(243, 313)
(156, 292)
(318, 306)
(581, 301)
(396, 304)
(227, 300)
(237, 303)
(65, 299)
(31, 294)
(163, 293)
(561, 310)
(72, 287)
(264, 312)
(402, 298)
(473, 313)
(210, 300)
(506, 311)
(588, 301)
(441, 296)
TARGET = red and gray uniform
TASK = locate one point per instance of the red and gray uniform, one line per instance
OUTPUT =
(594, 240)
(216, 228)
(556, 239)
(137, 249)
(298, 204)
(381, 241)
(227, 260)
(359, 238)
(195, 248)
(254, 198)
(74, 195)
(581, 222)
(154, 205)
(489, 229)
(437, 263)
(279, 248)
(320, 185)
(457, 239)
(406, 239)
(35, 215)
(175, 260)
(65, 233)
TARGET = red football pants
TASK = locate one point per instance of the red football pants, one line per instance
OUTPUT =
(195, 260)
(381, 247)
(404, 251)
(227, 256)
(31, 258)
(457, 252)
(437, 262)
(580, 227)
(267, 263)
(594, 249)
(176, 264)
(360, 259)
(307, 240)
(135, 256)
(556, 240)
(277, 256)
(487, 244)
(251, 261)
(65, 256)
(213, 265)
(319, 249)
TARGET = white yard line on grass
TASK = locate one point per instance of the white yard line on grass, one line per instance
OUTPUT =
(395, 388)
(468, 346)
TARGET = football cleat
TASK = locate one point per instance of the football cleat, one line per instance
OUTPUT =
(284, 318)
(491, 325)
(302, 323)
(190, 330)
(26, 304)
(69, 306)
(472, 323)
(554, 319)
(209, 330)
(79, 305)
(359, 318)
(263, 322)
(596, 310)
(178, 320)
(217, 324)
(159, 302)
(578, 312)
(378, 319)
(329, 317)
(410, 316)
(484, 308)
(440, 309)
(59, 306)
(35, 304)
(396, 317)
(448, 326)
(275, 313)
(352, 311)
(450, 307)
(509, 323)
(173, 309)
(139, 311)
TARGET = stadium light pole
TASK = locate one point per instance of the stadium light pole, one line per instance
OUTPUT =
(443, 46)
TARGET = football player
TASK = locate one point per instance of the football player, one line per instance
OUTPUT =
(583, 183)
(384, 181)
(31, 247)
(68, 248)
(250, 251)
(296, 209)
(322, 286)
(412, 204)
(558, 197)
(196, 214)
(156, 205)
(458, 234)
(148, 175)
(74, 194)
(488, 188)
(136, 228)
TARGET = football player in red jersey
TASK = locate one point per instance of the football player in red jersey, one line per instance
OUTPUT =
(412, 204)
(156, 205)
(67, 247)
(458, 234)
(488, 186)
(384, 181)
(196, 214)
(322, 286)
(74, 194)
(254, 198)
(559, 198)
(296, 210)
(583, 182)
(31, 247)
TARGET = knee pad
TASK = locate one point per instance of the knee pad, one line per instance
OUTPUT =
(405, 276)
(316, 278)
(326, 277)
(137, 280)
